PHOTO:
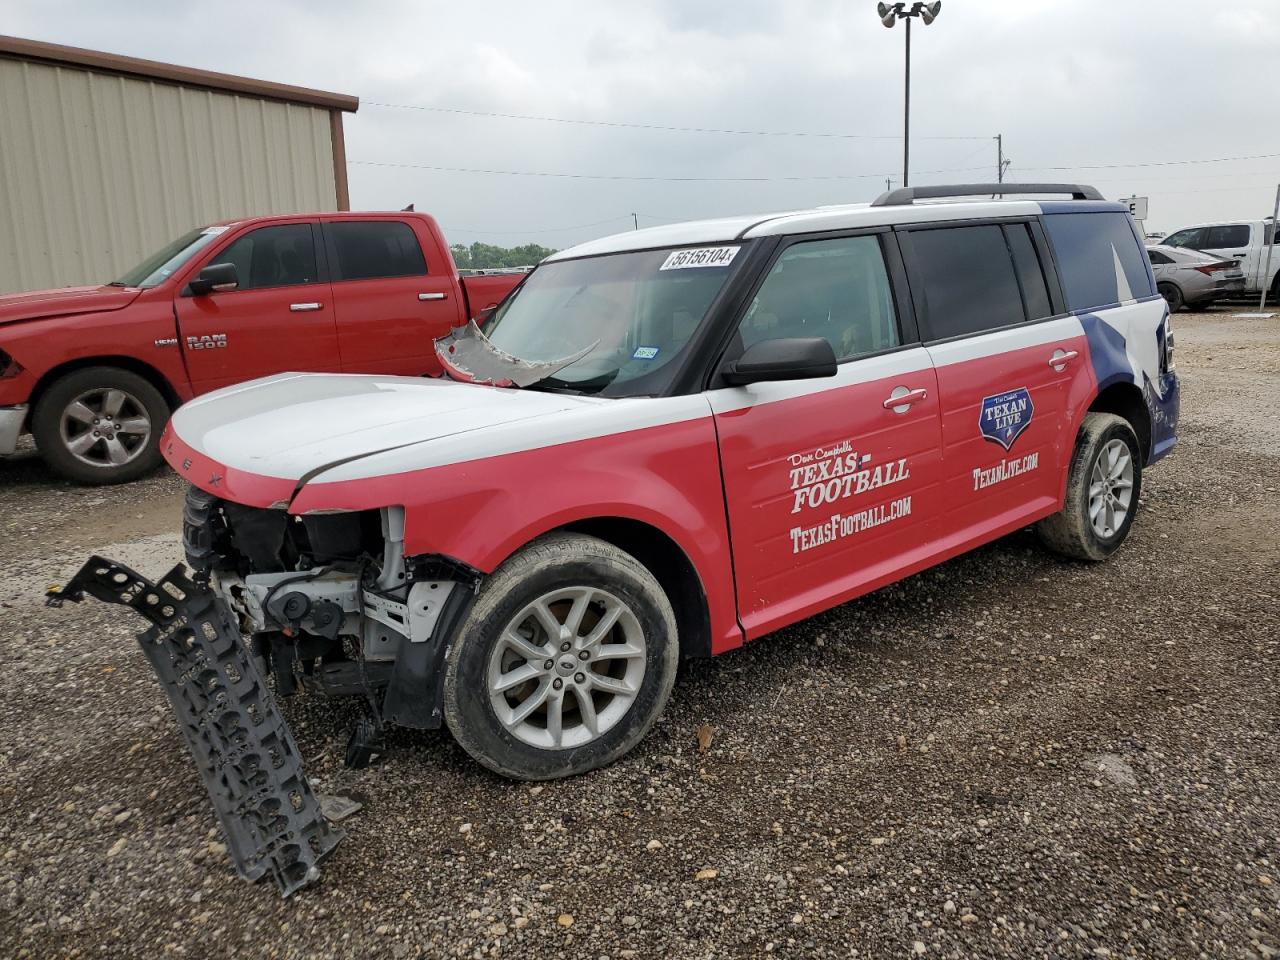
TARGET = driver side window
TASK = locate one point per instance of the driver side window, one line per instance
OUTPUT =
(278, 256)
(835, 289)
(1185, 238)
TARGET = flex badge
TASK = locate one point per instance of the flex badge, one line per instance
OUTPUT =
(1004, 416)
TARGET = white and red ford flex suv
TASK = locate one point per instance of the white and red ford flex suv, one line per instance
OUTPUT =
(671, 442)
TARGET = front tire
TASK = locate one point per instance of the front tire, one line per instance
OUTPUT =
(100, 425)
(565, 661)
(1103, 487)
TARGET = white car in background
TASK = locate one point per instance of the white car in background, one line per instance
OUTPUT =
(1243, 240)
(1189, 278)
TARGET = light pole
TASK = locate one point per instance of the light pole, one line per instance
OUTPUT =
(891, 13)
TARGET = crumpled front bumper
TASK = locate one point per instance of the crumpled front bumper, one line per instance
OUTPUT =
(11, 421)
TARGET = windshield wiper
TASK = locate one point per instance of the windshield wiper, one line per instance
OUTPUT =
(592, 385)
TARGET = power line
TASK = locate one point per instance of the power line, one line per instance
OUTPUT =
(629, 177)
(666, 128)
(1155, 163)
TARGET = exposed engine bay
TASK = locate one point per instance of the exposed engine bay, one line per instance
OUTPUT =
(331, 604)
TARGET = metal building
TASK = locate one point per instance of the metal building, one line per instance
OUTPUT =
(104, 159)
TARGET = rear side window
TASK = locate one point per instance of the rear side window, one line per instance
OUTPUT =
(969, 280)
(1229, 235)
(279, 256)
(1099, 258)
(835, 289)
(369, 249)
(1158, 258)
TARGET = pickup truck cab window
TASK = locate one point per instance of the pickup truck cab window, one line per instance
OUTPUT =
(278, 256)
(1193, 238)
(368, 249)
(635, 311)
(836, 289)
(1226, 235)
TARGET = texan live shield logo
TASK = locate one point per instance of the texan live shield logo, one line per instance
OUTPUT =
(1004, 416)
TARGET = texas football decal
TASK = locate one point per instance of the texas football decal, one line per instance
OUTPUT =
(1004, 416)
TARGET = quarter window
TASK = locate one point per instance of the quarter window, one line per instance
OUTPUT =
(279, 256)
(969, 280)
(1158, 258)
(835, 289)
(1228, 235)
(1100, 259)
(1035, 292)
(368, 249)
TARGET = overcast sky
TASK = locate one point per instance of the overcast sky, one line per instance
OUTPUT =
(1074, 84)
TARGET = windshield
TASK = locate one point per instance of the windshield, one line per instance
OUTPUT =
(158, 267)
(635, 311)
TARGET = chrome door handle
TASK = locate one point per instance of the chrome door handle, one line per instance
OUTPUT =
(1061, 358)
(304, 307)
(901, 399)
(433, 296)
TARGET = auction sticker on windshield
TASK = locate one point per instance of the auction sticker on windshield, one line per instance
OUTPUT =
(700, 257)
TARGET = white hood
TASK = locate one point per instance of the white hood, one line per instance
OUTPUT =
(294, 424)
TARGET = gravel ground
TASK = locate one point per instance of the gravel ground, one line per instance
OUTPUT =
(1009, 755)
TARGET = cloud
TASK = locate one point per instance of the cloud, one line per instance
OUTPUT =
(1067, 82)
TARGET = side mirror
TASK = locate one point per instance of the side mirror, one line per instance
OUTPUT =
(215, 278)
(791, 358)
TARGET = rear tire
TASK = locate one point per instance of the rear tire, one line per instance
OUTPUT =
(1172, 296)
(1103, 486)
(528, 692)
(100, 425)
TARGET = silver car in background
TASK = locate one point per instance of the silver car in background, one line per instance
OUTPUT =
(1189, 278)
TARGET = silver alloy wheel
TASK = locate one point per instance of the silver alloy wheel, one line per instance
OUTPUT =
(105, 427)
(1110, 488)
(566, 668)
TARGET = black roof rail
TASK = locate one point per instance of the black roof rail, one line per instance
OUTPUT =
(905, 196)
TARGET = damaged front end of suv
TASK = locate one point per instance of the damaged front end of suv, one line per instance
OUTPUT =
(325, 603)
(332, 605)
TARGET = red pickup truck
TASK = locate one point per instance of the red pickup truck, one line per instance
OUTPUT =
(93, 372)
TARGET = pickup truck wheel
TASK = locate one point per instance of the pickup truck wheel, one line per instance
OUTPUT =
(1102, 491)
(100, 425)
(565, 661)
(1172, 296)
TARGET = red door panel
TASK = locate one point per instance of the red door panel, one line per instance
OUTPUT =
(388, 325)
(392, 298)
(1007, 423)
(829, 491)
(280, 318)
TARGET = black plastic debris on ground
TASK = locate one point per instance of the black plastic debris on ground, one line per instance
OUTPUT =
(237, 735)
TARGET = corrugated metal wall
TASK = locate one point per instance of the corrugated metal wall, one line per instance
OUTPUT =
(97, 171)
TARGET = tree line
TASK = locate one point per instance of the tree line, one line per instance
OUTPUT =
(480, 256)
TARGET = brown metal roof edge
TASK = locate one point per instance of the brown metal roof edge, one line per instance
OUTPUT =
(171, 73)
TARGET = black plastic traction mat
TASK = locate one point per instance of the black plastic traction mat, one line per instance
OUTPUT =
(240, 741)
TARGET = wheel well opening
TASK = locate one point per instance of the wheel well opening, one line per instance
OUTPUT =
(1125, 400)
(133, 365)
(672, 569)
